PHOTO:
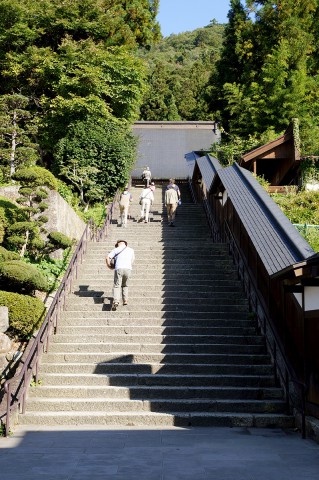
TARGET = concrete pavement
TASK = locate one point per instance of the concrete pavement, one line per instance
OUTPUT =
(134, 453)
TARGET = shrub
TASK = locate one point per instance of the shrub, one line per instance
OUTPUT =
(25, 313)
(59, 240)
(18, 276)
(96, 212)
(35, 177)
(6, 255)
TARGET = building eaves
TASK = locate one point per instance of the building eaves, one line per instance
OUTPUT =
(208, 167)
(276, 240)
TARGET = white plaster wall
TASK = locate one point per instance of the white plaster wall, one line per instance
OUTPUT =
(311, 298)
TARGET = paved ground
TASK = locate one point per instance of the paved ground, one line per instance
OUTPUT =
(82, 453)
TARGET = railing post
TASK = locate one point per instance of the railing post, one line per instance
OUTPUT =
(7, 387)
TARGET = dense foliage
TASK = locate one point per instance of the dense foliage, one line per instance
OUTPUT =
(17, 276)
(179, 68)
(25, 313)
(66, 63)
(96, 158)
(302, 209)
(268, 70)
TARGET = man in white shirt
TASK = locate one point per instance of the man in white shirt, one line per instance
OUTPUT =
(124, 258)
(146, 200)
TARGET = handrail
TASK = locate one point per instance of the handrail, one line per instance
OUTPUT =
(190, 184)
(40, 343)
(211, 221)
(16, 388)
(282, 366)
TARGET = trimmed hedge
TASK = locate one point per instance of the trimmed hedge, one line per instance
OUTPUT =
(20, 276)
(59, 240)
(6, 255)
(25, 313)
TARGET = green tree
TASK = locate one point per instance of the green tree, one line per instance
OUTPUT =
(96, 156)
(26, 234)
(75, 60)
(18, 130)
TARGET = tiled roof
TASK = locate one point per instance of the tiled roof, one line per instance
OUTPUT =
(276, 240)
(208, 167)
(191, 158)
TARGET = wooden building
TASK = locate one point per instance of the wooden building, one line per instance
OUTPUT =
(277, 161)
(278, 268)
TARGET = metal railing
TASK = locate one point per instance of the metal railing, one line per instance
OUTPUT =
(282, 367)
(16, 388)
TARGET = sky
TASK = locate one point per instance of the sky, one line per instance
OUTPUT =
(176, 16)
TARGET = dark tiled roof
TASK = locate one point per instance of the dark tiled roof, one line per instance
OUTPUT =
(163, 146)
(276, 240)
(191, 160)
(208, 167)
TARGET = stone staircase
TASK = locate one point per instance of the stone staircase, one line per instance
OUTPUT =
(185, 351)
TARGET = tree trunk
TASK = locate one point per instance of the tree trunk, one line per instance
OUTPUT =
(13, 144)
(24, 246)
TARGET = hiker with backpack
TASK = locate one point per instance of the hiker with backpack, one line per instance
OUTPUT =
(146, 200)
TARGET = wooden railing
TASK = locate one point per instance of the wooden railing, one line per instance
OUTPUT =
(283, 370)
(16, 388)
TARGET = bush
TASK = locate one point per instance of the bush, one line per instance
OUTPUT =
(35, 177)
(59, 240)
(16, 275)
(302, 208)
(25, 313)
(96, 212)
(8, 214)
(6, 255)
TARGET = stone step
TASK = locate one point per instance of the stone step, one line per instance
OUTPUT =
(142, 306)
(163, 284)
(104, 333)
(103, 338)
(162, 291)
(185, 381)
(158, 405)
(138, 357)
(219, 324)
(169, 348)
(108, 367)
(157, 392)
(144, 246)
(123, 314)
(171, 256)
(165, 264)
(175, 276)
(197, 302)
(153, 419)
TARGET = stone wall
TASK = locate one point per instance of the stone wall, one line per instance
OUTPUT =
(62, 217)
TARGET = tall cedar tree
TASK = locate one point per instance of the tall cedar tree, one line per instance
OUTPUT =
(274, 57)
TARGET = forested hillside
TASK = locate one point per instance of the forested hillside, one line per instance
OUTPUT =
(268, 71)
(178, 73)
